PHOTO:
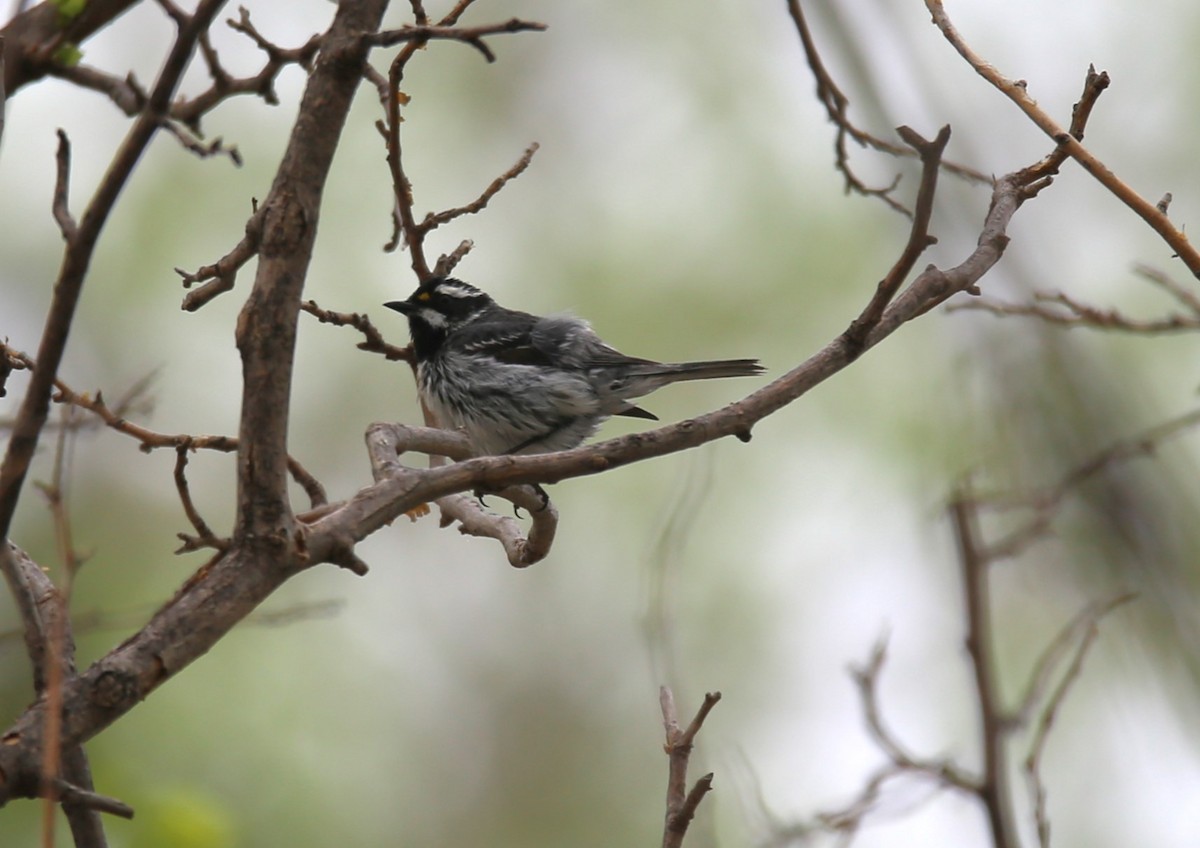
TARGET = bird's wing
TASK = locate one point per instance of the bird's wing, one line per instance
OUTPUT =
(573, 344)
(505, 337)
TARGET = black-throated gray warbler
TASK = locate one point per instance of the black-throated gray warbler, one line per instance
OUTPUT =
(521, 383)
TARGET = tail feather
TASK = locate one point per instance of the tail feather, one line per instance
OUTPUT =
(677, 371)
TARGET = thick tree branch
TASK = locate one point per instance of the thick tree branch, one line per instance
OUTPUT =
(266, 332)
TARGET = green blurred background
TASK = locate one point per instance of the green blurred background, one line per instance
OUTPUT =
(683, 200)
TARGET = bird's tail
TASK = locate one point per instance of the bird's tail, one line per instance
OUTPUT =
(644, 377)
(672, 372)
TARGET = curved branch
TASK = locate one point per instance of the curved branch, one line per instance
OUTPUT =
(385, 442)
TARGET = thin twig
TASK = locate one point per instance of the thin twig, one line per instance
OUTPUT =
(433, 220)
(1089, 621)
(406, 229)
(149, 440)
(206, 537)
(836, 107)
(1016, 91)
(1183, 294)
(224, 85)
(918, 238)
(62, 189)
(1044, 502)
(942, 771)
(474, 36)
(447, 262)
(219, 277)
(373, 339)
(1064, 311)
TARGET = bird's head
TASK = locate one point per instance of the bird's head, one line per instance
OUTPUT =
(439, 307)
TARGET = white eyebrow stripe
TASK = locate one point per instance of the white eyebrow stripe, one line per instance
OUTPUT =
(456, 291)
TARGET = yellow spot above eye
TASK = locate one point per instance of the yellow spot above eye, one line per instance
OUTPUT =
(423, 297)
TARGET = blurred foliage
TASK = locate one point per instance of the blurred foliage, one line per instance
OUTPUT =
(684, 201)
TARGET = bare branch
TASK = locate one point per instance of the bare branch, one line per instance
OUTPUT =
(1089, 622)
(262, 84)
(62, 189)
(993, 788)
(1065, 311)
(1045, 502)
(405, 227)
(45, 624)
(386, 442)
(1181, 293)
(115, 418)
(474, 36)
(125, 92)
(373, 339)
(206, 536)
(682, 802)
(219, 277)
(31, 416)
(919, 238)
(449, 261)
(92, 801)
(1016, 91)
(942, 771)
(433, 220)
(836, 105)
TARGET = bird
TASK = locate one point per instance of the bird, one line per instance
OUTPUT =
(517, 383)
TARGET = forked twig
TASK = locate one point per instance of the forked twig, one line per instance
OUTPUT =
(681, 801)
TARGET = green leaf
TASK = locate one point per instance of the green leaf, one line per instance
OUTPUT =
(68, 54)
(69, 10)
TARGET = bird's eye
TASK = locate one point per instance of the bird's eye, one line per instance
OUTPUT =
(424, 297)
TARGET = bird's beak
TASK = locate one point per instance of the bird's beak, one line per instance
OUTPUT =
(401, 306)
